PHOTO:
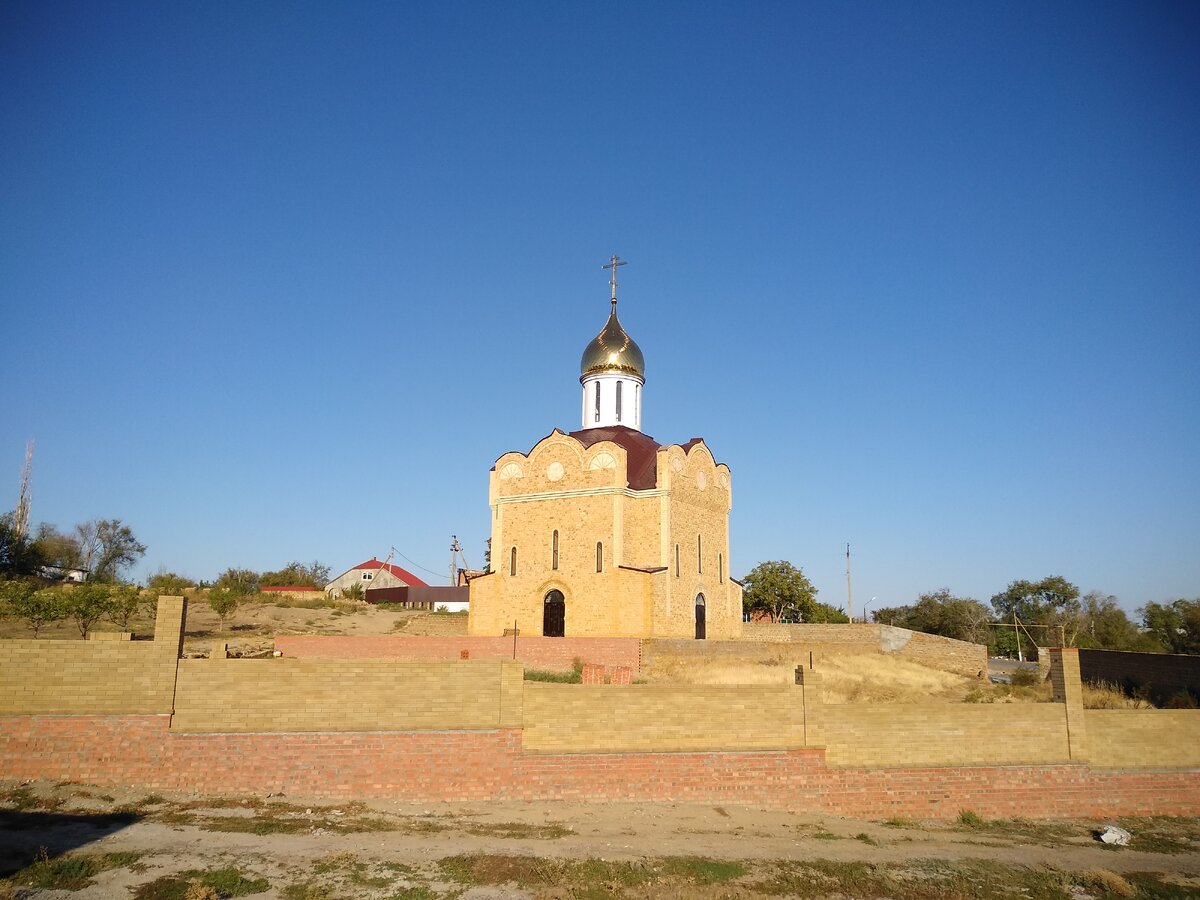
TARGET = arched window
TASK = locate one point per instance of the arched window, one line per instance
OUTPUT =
(599, 556)
(701, 624)
(720, 568)
(597, 401)
(699, 557)
(676, 560)
(554, 550)
(618, 401)
(512, 561)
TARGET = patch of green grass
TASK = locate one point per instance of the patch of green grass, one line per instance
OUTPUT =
(485, 869)
(701, 870)
(922, 880)
(1149, 884)
(554, 677)
(23, 798)
(968, 819)
(226, 882)
(152, 800)
(307, 890)
(1163, 834)
(414, 893)
(866, 839)
(824, 835)
(899, 823)
(71, 873)
(516, 830)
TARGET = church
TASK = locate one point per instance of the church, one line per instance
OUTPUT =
(604, 532)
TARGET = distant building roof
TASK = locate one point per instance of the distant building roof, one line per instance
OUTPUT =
(403, 574)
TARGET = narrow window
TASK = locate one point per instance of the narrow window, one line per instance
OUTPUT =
(512, 562)
(721, 568)
(699, 557)
(676, 560)
(599, 556)
(618, 401)
(554, 550)
(597, 401)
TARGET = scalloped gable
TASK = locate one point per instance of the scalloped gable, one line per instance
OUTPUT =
(641, 451)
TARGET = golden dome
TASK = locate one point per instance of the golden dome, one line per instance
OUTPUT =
(612, 350)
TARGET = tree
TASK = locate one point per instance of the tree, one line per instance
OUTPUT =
(59, 550)
(1174, 625)
(19, 556)
(37, 607)
(940, 612)
(224, 602)
(239, 582)
(295, 574)
(779, 589)
(826, 614)
(1052, 602)
(124, 602)
(164, 582)
(107, 547)
(86, 603)
(1106, 625)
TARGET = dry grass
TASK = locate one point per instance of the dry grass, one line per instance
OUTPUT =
(866, 678)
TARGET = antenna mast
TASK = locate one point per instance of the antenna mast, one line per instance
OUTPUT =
(21, 514)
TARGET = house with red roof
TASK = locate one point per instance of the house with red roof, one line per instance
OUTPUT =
(373, 574)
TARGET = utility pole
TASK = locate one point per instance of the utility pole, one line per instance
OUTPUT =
(455, 549)
(849, 593)
(21, 514)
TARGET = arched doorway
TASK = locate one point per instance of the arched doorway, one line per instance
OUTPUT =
(554, 614)
(699, 617)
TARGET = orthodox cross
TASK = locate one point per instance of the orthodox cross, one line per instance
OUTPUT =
(613, 264)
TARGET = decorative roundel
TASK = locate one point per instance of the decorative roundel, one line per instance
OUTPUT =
(701, 481)
(677, 464)
(512, 470)
(724, 479)
(554, 471)
(603, 460)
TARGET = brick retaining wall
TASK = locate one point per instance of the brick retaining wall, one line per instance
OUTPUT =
(484, 765)
(537, 652)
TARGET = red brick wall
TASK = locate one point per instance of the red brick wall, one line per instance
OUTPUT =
(538, 652)
(482, 765)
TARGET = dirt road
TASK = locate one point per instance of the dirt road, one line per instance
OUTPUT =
(151, 846)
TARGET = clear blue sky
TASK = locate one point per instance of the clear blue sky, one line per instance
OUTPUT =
(282, 280)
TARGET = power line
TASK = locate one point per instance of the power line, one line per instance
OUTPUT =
(418, 565)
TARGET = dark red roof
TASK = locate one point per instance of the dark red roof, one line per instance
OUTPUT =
(641, 449)
(403, 574)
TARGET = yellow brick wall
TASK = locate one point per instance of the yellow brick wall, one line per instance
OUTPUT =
(1143, 738)
(891, 736)
(571, 718)
(241, 695)
(90, 677)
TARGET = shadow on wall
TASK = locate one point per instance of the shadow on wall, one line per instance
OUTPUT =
(1165, 679)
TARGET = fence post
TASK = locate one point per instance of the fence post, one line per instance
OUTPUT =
(812, 702)
(1068, 690)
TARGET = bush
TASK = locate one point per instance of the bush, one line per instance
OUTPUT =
(1026, 678)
